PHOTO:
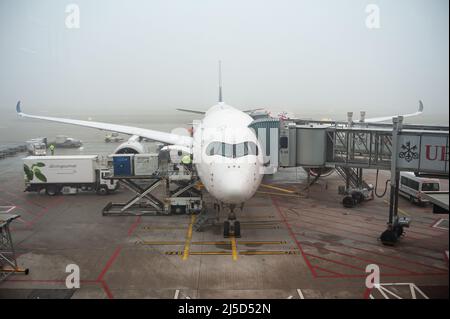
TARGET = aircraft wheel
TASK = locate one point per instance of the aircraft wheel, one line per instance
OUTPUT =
(237, 229)
(226, 229)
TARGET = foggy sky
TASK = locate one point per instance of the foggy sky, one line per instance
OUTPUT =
(307, 57)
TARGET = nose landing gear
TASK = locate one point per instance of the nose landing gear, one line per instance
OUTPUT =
(231, 227)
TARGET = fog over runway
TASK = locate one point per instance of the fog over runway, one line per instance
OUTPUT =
(135, 62)
(15, 130)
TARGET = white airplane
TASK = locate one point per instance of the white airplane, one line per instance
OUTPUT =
(231, 160)
(227, 154)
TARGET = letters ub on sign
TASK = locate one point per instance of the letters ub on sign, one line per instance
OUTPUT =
(423, 153)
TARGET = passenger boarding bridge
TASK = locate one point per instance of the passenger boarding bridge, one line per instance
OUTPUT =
(350, 147)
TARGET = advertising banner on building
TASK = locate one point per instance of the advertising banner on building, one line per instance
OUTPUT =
(423, 153)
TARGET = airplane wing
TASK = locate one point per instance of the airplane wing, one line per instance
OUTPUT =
(191, 111)
(389, 118)
(253, 110)
(201, 112)
(164, 137)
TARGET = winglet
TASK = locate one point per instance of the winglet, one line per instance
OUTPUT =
(18, 107)
(420, 106)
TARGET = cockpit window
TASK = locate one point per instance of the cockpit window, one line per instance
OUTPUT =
(228, 150)
(232, 150)
(214, 148)
(241, 149)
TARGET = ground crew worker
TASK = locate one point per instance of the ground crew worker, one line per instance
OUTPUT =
(186, 160)
(52, 149)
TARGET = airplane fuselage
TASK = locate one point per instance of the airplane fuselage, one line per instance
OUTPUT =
(227, 154)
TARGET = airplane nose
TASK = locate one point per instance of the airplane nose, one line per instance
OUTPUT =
(236, 191)
(235, 185)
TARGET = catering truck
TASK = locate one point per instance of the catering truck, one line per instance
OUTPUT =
(67, 174)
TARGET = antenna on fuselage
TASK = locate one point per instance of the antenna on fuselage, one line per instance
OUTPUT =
(220, 81)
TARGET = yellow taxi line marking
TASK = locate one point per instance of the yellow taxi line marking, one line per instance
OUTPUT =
(227, 253)
(210, 243)
(188, 238)
(162, 227)
(161, 242)
(261, 223)
(278, 194)
(261, 226)
(401, 211)
(262, 242)
(207, 243)
(234, 248)
(210, 253)
(173, 252)
(279, 189)
(269, 252)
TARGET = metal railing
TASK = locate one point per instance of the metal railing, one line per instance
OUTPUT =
(359, 148)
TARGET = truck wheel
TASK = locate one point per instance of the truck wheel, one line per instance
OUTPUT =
(51, 190)
(102, 191)
(178, 209)
(357, 197)
(348, 201)
(389, 237)
(399, 231)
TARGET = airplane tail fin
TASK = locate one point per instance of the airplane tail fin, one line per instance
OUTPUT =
(220, 82)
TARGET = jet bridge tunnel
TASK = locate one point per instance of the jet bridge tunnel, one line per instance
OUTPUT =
(293, 143)
(351, 147)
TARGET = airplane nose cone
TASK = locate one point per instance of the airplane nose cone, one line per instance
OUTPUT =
(236, 192)
(235, 185)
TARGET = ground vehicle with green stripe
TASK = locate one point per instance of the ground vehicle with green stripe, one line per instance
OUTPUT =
(70, 173)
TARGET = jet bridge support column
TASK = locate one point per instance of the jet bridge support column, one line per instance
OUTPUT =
(8, 262)
(395, 224)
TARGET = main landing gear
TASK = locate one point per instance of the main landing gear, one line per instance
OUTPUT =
(231, 227)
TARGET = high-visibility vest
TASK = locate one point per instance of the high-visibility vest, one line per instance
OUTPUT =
(186, 159)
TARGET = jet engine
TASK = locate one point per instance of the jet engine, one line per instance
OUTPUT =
(132, 146)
